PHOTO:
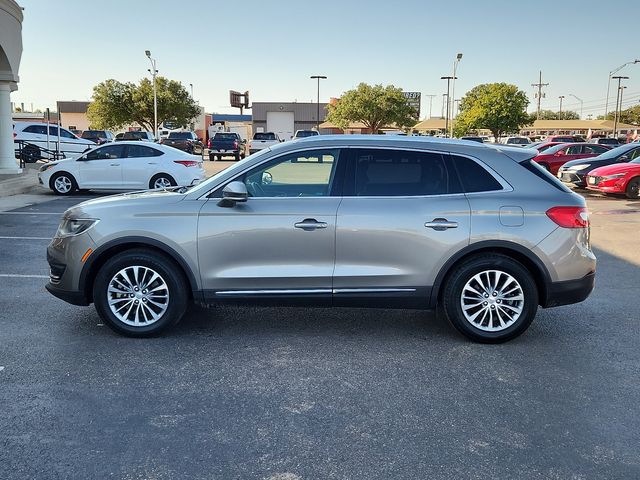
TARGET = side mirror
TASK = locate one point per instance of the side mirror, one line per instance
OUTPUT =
(233, 193)
(623, 158)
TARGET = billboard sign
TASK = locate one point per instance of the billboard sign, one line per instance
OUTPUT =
(239, 100)
(413, 100)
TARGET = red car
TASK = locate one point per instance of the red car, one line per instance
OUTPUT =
(553, 158)
(617, 178)
(565, 138)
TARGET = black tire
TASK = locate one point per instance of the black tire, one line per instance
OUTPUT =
(70, 180)
(158, 176)
(30, 154)
(633, 188)
(463, 273)
(166, 268)
(243, 155)
(212, 157)
(219, 157)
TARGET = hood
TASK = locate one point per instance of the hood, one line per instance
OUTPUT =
(613, 169)
(136, 200)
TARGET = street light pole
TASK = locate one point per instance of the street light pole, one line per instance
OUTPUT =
(154, 71)
(615, 118)
(446, 121)
(615, 70)
(318, 77)
(560, 112)
(453, 90)
(581, 103)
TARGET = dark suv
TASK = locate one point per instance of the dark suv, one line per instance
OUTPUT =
(185, 141)
(140, 135)
(98, 136)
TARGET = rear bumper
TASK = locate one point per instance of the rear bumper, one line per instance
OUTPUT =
(570, 291)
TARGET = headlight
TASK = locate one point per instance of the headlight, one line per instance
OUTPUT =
(74, 226)
(582, 166)
(45, 167)
(613, 177)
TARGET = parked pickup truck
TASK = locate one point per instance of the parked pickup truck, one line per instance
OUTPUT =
(263, 140)
(185, 141)
(226, 144)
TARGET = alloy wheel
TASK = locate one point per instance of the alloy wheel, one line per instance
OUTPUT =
(492, 300)
(162, 182)
(138, 296)
(63, 184)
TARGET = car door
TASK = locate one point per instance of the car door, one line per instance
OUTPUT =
(281, 242)
(141, 162)
(101, 168)
(402, 215)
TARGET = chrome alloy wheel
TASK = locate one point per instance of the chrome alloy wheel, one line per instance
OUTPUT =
(162, 182)
(138, 296)
(62, 184)
(492, 300)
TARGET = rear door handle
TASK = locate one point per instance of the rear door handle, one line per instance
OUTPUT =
(310, 224)
(440, 224)
(152, 163)
(115, 164)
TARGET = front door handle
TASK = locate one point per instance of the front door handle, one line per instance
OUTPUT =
(114, 164)
(309, 224)
(441, 224)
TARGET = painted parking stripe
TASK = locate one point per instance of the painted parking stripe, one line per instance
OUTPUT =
(19, 275)
(24, 238)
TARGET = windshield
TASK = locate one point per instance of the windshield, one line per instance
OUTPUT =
(306, 133)
(264, 136)
(180, 135)
(519, 141)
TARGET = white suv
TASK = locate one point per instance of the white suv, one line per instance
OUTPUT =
(40, 137)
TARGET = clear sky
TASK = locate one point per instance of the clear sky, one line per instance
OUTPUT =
(272, 47)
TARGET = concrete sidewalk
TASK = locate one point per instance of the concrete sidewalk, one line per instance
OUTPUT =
(24, 182)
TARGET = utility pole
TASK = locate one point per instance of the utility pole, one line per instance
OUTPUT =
(581, 103)
(615, 118)
(319, 77)
(453, 91)
(153, 71)
(560, 112)
(446, 118)
(615, 70)
(539, 86)
(444, 99)
(430, 103)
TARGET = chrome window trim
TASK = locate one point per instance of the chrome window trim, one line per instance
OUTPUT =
(272, 292)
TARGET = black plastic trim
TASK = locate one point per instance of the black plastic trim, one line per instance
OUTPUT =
(570, 291)
(74, 298)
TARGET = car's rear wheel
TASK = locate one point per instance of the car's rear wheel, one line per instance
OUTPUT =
(212, 157)
(30, 154)
(490, 298)
(139, 293)
(63, 183)
(162, 180)
(633, 188)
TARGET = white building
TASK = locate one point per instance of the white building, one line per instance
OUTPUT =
(10, 54)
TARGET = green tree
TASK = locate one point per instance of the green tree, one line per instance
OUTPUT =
(498, 107)
(629, 115)
(116, 104)
(551, 115)
(376, 106)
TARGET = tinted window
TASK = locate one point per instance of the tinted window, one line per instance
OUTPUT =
(594, 149)
(39, 129)
(106, 153)
(306, 133)
(302, 174)
(634, 155)
(225, 136)
(53, 130)
(399, 173)
(473, 176)
(181, 135)
(264, 136)
(543, 174)
(89, 134)
(574, 150)
(140, 151)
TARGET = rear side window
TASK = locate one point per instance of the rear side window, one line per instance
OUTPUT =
(474, 177)
(141, 151)
(264, 136)
(542, 173)
(39, 129)
(381, 173)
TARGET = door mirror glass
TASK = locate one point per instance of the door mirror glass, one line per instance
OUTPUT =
(267, 178)
(234, 192)
(623, 158)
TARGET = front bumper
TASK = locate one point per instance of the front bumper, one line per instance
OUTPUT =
(572, 177)
(65, 258)
(570, 291)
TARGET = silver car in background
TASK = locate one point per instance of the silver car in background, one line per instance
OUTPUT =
(345, 220)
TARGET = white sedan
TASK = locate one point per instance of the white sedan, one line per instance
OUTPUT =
(123, 166)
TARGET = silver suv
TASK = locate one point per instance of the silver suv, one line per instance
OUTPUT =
(368, 221)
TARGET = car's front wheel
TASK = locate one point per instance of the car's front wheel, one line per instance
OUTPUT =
(490, 298)
(162, 180)
(63, 183)
(139, 293)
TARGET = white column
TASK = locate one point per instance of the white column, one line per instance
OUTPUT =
(8, 163)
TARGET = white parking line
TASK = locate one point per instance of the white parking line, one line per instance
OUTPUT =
(32, 213)
(19, 275)
(25, 238)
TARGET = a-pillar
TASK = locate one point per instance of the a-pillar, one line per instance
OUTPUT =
(8, 163)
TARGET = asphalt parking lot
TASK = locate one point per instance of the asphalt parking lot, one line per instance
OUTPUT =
(288, 394)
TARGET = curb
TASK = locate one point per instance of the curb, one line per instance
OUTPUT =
(16, 185)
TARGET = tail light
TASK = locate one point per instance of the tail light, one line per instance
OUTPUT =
(235, 144)
(569, 217)
(209, 144)
(187, 163)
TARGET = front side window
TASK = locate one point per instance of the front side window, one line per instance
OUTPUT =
(574, 150)
(141, 151)
(302, 174)
(109, 152)
(382, 173)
